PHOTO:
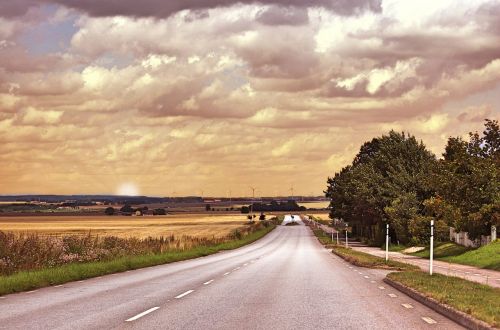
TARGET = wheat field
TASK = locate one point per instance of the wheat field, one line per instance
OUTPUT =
(195, 225)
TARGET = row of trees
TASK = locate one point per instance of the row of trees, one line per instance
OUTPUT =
(394, 179)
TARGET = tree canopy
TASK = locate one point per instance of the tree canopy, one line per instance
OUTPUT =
(395, 179)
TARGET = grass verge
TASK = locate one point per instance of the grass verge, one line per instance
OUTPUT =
(367, 260)
(480, 301)
(487, 256)
(442, 250)
(29, 280)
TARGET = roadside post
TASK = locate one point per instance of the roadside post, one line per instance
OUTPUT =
(332, 235)
(432, 247)
(387, 243)
(337, 237)
(346, 239)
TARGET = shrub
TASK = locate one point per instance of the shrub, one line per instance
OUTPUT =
(109, 211)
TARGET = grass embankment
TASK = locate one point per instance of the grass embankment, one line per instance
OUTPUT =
(487, 256)
(29, 280)
(480, 301)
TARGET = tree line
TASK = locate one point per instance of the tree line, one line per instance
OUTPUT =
(395, 179)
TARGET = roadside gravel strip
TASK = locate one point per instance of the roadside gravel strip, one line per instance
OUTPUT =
(461, 318)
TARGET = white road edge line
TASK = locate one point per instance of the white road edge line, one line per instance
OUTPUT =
(208, 282)
(142, 314)
(184, 294)
(58, 286)
(429, 320)
(32, 291)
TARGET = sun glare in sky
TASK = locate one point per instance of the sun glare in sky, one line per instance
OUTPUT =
(127, 189)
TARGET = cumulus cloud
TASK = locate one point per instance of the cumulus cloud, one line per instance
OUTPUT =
(185, 95)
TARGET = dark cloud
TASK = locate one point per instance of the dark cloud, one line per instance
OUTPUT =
(277, 15)
(161, 8)
(16, 8)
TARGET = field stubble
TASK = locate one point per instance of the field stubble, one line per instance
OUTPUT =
(194, 225)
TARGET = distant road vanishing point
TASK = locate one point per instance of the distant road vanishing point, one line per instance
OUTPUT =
(286, 280)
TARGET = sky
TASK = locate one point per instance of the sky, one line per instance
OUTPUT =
(212, 97)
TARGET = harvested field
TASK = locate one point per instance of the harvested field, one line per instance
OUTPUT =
(125, 226)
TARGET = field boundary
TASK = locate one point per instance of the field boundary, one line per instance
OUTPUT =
(453, 314)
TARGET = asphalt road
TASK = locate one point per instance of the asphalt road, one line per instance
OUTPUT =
(286, 280)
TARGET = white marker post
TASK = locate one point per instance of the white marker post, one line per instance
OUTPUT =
(346, 239)
(387, 243)
(332, 235)
(432, 247)
(337, 237)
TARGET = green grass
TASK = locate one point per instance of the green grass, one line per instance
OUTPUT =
(324, 238)
(29, 280)
(395, 247)
(367, 260)
(478, 300)
(442, 250)
(487, 256)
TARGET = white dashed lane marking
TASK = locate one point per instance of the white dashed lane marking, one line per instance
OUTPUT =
(32, 291)
(58, 286)
(184, 294)
(381, 288)
(428, 320)
(142, 314)
(366, 276)
(208, 282)
(392, 295)
(409, 306)
(227, 273)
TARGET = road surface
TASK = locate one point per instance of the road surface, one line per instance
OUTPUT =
(286, 280)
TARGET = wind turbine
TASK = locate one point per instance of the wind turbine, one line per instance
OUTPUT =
(253, 198)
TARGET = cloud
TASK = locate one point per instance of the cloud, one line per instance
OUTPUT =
(276, 15)
(162, 9)
(216, 94)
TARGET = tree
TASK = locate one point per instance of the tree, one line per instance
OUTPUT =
(127, 209)
(159, 211)
(467, 180)
(109, 211)
(262, 216)
(384, 170)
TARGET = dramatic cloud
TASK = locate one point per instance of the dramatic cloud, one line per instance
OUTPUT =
(214, 95)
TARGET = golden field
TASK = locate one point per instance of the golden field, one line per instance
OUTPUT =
(125, 226)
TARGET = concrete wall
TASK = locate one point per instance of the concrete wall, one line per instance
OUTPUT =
(462, 238)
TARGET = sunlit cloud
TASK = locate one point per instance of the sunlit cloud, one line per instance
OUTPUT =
(216, 95)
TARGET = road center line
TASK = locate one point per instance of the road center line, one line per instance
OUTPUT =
(208, 282)
(245, 264)
(366, 276)
(409, 306)
(142, 314)
(184, 294)
(381, 288)
(392, 295)
(227, 273)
